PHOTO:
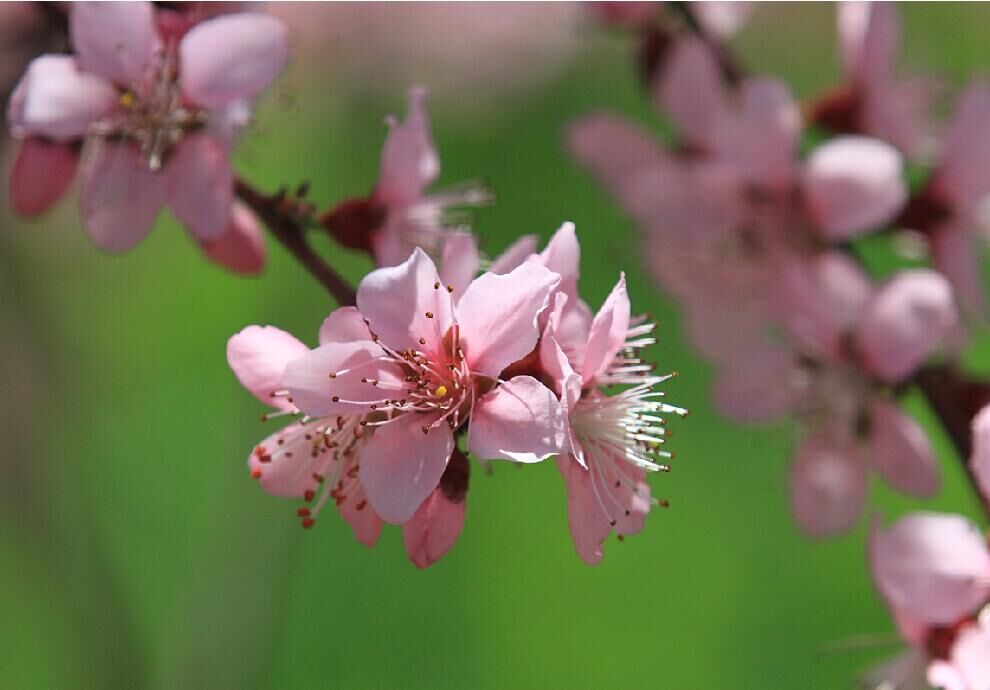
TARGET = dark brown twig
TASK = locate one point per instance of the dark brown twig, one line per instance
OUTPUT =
(278, 213)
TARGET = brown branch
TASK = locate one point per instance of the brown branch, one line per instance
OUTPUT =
(280, 214)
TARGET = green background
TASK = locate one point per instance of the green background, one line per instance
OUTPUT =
(136, 552)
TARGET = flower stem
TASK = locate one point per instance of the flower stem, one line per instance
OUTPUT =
(280, 215)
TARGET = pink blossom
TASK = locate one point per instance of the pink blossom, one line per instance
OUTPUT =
(410, 164)
(310, 458)
(968, 665)
(883, 105)
(158, 116)
(423, 367)
(612, 440)
(980, 459)
(934, 567)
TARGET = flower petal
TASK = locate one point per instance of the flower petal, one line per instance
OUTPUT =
(563, 256)
(854, 184)
(907, 320)
(588, 523)
(116, 40)
(42, 173)
(608, 332)
(828, 487)
(934, 566)
(433, 529)
(979, 461)
(54, 99)
(200, 185)
(401, 466)
(241, 246)
(358, 513)
(689, 90)
(901, 451)
(258, 355)
(232, 57)
(396, 300)
(460, 262)
(869, 34)
(520, 420)
(511, 258)
(498, 316)
(284, 463)
(344, 325)
(970, 655)
(341, 378)
(121, 197)
(409, 160)
(963, 174)
(955, 256)
(757, 386)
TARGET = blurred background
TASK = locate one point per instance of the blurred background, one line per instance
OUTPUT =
(134, 549)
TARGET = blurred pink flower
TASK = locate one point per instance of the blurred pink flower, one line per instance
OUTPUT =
(399, 215)
(874, 100)
(980, 458)
(160, 117)
(425, 365)
(612, 439)
(933, 570)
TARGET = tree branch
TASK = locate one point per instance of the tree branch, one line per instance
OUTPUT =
(280, 215)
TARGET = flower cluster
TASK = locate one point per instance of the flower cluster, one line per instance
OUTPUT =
(147, 109)
(435, 363)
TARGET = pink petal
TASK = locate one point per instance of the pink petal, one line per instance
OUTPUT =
(761, 139)
(608, 332)
(759, 386)
(869, 34)
(344, 325)
(955, 256)
(908, 319)
(339, 378)
(904, 672)
(396, 300)
(241, 246)
(900, 112)
(409, 160)
(979, 461)
(42, 173)
(722, 19)
(971, 656)
(901, 451)
(54, 99)
(563, 256)
(433, 529)
(498, 316)
(289, 463)
(401, 466)
(116, 40)
(520, 420)
(460, 262)
(828, 487)
(963, 174)
(258, 355)
(200, 185)
(823, 298)
(588, 523)
(689, 91)
(854, 184)
(121, 197)
(358, 513)
(616, 152)
(944, 675)
(512, 257)
(232, 57)
(934, 566)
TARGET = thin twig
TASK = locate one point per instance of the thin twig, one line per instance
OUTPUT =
(276, 213)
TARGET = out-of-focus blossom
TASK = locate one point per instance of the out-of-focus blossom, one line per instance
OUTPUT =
(475, 54)
(952, 208)
(933, 570)
(158, 115)
(399, 215)
(875, 100)
(718, 19)
(425, 366)
(980, 459)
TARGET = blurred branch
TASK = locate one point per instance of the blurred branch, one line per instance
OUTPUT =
(732, 70)
(281, 214)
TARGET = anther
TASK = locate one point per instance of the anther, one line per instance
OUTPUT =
(335, 398)
(429, 314)
(450, 288)
(436, 286)
(308, 522)
(303, 512)
(255, 474)
(333, 375)
(422, 341)
(309, 495)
